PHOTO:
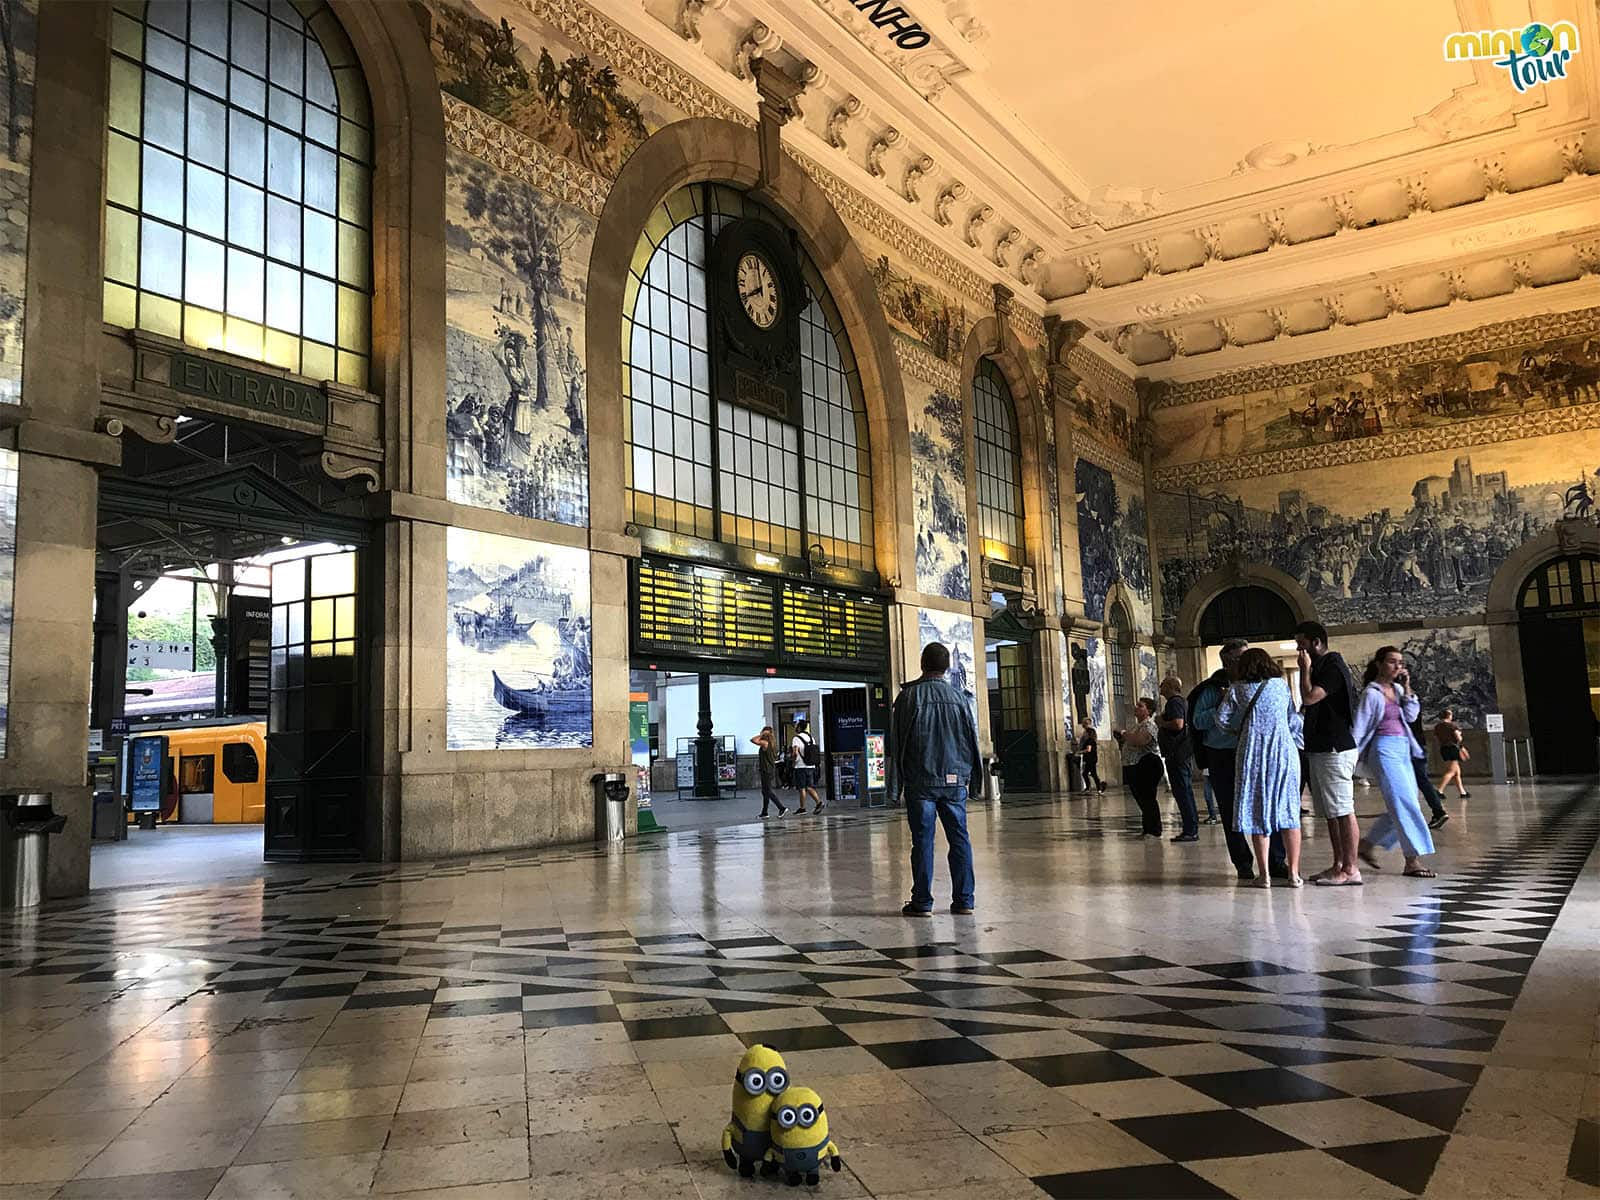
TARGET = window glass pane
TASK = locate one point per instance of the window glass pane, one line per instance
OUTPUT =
(283, 163)
(203, 272)
(165, 53)
(333, 574)
(207, 210)
(319, 312)
(249, 36)
(207, 73)
(285, 109)
(286, 52)
(163, 112)
(161, 258)
(246, 147)
(208, 27)
(321, 179)
(244, 285)
(283, 298)
(122, 245)
(246, 216)
(283, 230)
(320, 245)
(208, 131)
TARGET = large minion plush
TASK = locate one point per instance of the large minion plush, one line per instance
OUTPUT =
(760, 1079)
(800, 1137)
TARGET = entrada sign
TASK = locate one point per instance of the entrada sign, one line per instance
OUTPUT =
(904, 32)
(248, 389)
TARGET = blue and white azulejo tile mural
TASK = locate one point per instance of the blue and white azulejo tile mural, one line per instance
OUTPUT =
(955, 631)
(938, 481)
(8, 569)
(518, 644)
(1113, 542)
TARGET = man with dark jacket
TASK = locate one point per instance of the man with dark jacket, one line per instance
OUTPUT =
(1216, 748)
(936, 763)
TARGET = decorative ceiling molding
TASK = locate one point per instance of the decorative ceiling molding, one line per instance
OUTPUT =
(1366, 204)
(1360, 301)
(1512, 427)
(921, 363)
(1506, 334)
(506, 150)
(1103, 377)
(1094, 450)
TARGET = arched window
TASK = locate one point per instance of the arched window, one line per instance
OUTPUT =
(238, 182)
(1572, 582)
(1119, 675)
(733, 474)
(999, 465)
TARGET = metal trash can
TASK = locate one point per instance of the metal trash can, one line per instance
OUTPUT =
(991, 780)
(611, 805)
(26, 821)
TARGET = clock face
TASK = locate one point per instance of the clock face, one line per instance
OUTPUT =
(758, 290)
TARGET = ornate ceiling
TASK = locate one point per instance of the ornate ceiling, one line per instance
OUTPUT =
(1206, 187)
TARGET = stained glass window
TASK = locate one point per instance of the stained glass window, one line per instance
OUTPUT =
(238, 182)
(999, 464)
(736, 475)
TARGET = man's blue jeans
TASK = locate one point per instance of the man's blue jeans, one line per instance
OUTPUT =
(1182, 783)
(952, 814)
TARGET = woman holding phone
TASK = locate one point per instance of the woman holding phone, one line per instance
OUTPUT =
(1387, 747)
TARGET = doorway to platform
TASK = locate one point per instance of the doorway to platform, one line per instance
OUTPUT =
(1009, 645)
(1559, 632)
(229, 670)
(1261, 617)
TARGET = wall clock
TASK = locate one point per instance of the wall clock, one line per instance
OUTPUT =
(757, 294)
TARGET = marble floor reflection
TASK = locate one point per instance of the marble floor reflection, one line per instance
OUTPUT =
(1118, 1019)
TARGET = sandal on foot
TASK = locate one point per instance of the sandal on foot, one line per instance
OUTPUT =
(1421, 873)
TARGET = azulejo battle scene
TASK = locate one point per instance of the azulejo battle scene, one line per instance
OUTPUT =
(846, 602)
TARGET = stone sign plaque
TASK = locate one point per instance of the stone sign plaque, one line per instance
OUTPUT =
(249, 390)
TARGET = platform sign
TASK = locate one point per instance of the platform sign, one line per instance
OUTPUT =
(149, 755)
(1494, 722)
(172, 656)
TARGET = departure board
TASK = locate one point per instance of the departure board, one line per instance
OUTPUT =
(696, 611)
(685, 609)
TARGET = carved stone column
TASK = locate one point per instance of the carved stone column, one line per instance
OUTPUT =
(778, 91)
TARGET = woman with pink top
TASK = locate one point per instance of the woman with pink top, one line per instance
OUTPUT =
(1386, 746)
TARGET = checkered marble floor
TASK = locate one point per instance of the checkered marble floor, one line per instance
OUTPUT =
(1118, 1020)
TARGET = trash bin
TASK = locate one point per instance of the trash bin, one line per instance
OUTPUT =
(26, 821)
(991, 780)
(611, 805)
(110, 820)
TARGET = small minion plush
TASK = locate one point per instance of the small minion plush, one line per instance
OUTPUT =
(800, 1137)
(761, 1077)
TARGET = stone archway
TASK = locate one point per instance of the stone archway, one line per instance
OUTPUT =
(708, 150)
(1500, 612)
(1187, 642)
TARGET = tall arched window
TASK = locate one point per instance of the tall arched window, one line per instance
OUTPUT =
(999, 465)
(733, 474)
(1119, 657)
(238, 182)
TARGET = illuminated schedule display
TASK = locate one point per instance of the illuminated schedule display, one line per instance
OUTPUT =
(694, 610)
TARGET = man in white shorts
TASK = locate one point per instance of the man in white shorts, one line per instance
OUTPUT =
(1328, 702)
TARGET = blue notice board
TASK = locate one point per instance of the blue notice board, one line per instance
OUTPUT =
(144, 787)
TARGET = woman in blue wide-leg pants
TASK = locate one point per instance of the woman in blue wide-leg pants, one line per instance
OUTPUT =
(1387, 747)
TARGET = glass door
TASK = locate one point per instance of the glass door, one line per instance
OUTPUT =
(315, 737)
(1011, 718)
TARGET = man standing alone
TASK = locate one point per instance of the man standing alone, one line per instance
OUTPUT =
(1328, 700)
(936, 762)
(1174, 743)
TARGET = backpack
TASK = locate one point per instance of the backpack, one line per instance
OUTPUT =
(812, 754)
(1197, 741)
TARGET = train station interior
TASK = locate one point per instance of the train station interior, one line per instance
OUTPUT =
(479, 480)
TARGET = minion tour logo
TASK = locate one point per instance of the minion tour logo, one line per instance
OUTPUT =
(1536, 54)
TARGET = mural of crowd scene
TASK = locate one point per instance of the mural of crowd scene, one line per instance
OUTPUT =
(8, 568)
(1113, 542)
(515, 390)
(18, 22)
(1450, 668)
(1515, 380)
(954, 631)
(504, 61)
(938, 476)
(1397, 539)
(1103, 417)
(518, 664)
(920, 310)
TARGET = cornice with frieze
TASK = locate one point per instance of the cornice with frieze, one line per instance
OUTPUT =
(923, 364)
(1103, 377)
(1501, 336)
(1484, 432)
(1109, 457)
(518, 155)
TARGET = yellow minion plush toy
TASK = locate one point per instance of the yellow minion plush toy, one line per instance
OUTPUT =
(760, 1078)
(800, 1137)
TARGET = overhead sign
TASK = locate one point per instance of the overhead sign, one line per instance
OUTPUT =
(895, 21)
(172, 656)
(239, 388)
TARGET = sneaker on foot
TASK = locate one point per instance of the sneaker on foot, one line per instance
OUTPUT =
(1439, 820)
(1187, 837)
(911, 910)
(960, 910)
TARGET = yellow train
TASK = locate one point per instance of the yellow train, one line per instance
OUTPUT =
(214, 774)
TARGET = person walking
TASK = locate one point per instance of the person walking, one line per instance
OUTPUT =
(1328, 706)
(1089, 747)
(1174, 744)
(805, 754)
(1219, 747)
(1425, 789)
(1387, 748)
(767, 768)
(1141, 765)
(936, 767)
(1258, 710)
(1453, 752)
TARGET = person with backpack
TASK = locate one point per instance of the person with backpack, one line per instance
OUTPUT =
(936, 766)
(807, 758)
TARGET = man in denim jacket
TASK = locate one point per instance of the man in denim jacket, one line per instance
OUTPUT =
(936, 762)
